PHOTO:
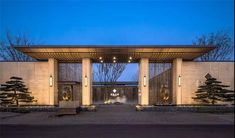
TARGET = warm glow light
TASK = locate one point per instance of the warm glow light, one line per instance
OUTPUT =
(100, 58)
(114, 61)
(114, 57)
(86, 81)
(50, 81)
(129, 61)
(179, 80)
(101, 61)
(145, 81)
(130, 58)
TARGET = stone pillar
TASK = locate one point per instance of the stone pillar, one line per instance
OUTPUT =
(143, 96)
(53, 81)
(86, 81)
(176, 78)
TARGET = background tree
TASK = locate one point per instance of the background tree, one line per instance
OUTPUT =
(108, 73)
(213, 91)
(224, 46)
(7, 50)
(14, 92)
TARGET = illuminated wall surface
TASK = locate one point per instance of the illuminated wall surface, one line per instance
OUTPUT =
(193, 75)
(36, 77)
(34, 74)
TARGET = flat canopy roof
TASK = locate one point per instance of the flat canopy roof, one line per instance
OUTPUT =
(122, 53)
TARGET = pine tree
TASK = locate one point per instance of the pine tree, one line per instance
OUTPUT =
(213, 91)
(13, 92)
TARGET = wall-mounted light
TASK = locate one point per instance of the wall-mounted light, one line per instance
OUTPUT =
(129, 61)
(50, 81)
(130, 58)
(145, 81)
(179, 80)
(114, 61)
(101, 61)
(85, 81)
(100, 58)
(114, 58)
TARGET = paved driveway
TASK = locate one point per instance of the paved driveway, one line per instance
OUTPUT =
(117, 114)
(117, 131)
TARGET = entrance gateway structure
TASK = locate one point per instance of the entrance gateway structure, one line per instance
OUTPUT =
(44, 76)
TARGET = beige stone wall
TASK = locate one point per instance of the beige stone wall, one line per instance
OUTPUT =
(143, 98)
(193, 75)
(53, 72)
(176, 86)
(34, 74)
(86, 81)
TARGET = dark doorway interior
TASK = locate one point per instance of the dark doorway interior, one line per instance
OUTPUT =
(160, 83)
(69, 81)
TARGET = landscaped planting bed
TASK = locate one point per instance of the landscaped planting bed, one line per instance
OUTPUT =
(26, 109)
(187, 108)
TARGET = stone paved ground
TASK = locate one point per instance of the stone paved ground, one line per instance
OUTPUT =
(116, 114)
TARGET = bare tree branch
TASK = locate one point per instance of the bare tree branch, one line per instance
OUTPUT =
(224, 46)
(109, 72)
(7, 50)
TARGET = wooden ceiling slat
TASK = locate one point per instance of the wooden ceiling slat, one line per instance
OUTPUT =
(122, 53)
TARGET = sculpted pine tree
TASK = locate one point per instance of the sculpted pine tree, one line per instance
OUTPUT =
(213, 91)
(14, 92)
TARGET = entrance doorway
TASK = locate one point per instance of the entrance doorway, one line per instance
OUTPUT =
(70, 81)
(115, 83)
(160, 83)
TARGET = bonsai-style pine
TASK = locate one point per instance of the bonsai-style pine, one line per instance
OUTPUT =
(14, 92)
(213, 91)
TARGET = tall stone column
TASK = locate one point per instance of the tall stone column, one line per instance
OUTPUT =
(143, 95)
(53, 81)
(86, 81)
(176, 78)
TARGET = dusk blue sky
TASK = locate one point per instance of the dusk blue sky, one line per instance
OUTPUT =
(116, 21)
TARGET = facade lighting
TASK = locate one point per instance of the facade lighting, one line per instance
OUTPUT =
(145, 81)
(51, 81)
(179, 80)
(85, 81)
